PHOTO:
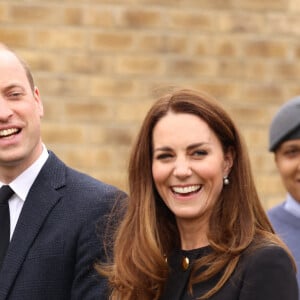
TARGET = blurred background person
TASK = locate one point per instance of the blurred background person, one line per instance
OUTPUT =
(284, 142)
(195, 227)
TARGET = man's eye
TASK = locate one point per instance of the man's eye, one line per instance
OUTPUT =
(15, 95)
(292, 151)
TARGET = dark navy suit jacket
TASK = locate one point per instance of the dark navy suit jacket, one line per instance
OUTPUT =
(55, 244)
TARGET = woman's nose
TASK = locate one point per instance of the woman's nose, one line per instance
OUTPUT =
(182, 169)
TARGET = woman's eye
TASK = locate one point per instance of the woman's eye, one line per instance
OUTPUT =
(199, 153)
(163, 156)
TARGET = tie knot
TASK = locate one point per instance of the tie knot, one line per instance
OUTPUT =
(5, 193)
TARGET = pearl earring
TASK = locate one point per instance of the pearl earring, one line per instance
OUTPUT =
(226, 180)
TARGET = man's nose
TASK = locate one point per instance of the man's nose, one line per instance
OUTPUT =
(5, 109)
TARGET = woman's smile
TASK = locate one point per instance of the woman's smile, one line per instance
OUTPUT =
(184, 190)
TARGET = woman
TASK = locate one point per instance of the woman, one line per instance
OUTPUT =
(284, 142)
(194, 227)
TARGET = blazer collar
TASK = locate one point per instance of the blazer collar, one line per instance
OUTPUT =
(40, 200)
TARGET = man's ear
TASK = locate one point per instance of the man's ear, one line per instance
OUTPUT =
(37, 98)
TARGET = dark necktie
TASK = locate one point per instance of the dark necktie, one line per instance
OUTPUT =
(5, 193)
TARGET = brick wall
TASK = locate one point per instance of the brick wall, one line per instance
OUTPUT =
(99, 65)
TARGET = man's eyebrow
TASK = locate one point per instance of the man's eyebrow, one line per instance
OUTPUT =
(12, 86)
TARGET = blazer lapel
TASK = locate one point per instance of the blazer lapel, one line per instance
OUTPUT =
(39, 203)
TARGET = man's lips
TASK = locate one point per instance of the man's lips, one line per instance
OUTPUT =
(8, 132)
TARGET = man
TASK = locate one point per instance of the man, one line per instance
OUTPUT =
(54, 209)
(284, 141)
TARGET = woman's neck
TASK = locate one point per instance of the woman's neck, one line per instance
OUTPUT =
(193, 234)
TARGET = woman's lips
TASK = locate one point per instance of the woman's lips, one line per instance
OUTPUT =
(185, 190)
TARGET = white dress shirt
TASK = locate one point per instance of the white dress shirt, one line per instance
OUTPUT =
(21, 186)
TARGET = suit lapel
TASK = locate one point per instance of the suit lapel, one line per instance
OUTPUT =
(40, 201)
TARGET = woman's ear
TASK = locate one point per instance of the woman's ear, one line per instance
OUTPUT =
(228, 158)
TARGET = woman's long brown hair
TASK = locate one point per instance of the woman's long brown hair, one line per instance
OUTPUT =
(148, 231)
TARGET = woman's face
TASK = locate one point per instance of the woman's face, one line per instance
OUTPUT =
(188, 165)
(287, 158)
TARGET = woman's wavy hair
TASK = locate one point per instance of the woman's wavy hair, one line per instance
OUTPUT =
(149, 232)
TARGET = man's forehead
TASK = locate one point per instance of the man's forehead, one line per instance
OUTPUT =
(9, 60)
(12, 72)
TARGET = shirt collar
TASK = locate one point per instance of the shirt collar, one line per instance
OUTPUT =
(22, 184)
(292, 206)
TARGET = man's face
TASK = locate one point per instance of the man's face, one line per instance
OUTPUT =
(20, 113)
(287, 158)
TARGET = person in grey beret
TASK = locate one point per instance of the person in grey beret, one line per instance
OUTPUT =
(284, 142)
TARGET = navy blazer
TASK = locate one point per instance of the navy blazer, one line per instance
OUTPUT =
(55, 244)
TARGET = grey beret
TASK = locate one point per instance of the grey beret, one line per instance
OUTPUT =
(285, 124)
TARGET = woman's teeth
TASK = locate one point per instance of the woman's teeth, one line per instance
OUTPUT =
(186, 189)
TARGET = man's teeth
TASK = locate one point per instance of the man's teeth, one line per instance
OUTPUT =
(186, 189)
(7, 132)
